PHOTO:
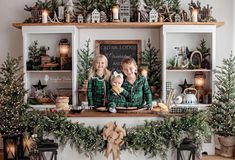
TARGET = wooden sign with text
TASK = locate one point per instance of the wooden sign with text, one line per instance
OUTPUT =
(116, 50)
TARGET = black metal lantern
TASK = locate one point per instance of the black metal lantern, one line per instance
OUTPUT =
(12, 147)
(186, 145)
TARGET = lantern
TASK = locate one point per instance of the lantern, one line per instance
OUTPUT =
(64, 47)
(199, 79)
(115, 11)
(12, 147)
(26, 144)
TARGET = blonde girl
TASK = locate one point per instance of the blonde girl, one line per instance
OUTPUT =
(98, 82)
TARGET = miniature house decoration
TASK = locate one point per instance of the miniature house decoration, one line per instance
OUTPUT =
(95, 16)
(153, 15)
(80, 18)
(125, 10)
(177, 18)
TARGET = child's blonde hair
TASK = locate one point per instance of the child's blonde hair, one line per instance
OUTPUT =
(115, 75)
(106, 73)
(129, 60)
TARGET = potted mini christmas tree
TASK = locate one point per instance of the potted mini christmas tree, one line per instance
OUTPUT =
(85, 62)
(150, 58)
(222, 111)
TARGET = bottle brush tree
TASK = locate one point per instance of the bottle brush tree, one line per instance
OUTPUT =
(85, 56)
(222, 111)
(150, 58)
(12, 92)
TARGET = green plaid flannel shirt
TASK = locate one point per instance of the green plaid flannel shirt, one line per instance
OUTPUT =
(117, 100)
(97, 91)
(138, 92)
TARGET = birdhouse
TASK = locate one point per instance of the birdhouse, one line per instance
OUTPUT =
(95, 16)
(80, 18)
(125, 10)
(177, 18)
(153, 15)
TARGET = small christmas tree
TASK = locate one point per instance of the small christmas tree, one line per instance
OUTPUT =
(12, 92)
(151, 60)
(205, 53)
(203, 49)
(222, 111)
(85, 62)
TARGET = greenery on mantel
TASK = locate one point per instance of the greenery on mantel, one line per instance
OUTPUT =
(154, 137)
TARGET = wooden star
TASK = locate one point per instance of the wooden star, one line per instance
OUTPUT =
(185, 85)
(39, 86)
(167, 15)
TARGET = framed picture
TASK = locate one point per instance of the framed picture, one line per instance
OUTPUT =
(196, 59)
(116, 50)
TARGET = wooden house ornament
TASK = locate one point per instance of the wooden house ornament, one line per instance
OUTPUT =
(177, 18)
(80, 18)
(95, 16)
(125, 10)
(153, 15)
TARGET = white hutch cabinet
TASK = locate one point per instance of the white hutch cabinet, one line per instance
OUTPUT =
(50, 36)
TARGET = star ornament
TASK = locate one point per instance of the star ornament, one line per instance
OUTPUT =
(185, 85)
(39, 86)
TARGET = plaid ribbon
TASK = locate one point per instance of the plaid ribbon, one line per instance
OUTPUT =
(177, 109)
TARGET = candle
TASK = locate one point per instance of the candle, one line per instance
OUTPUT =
(139, 16)
(11, 151)
(115, 13)
(67, 16)
(194, 15)
(44, 16)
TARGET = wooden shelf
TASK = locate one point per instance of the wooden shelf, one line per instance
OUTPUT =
(93, 113)
(50, 71)
(188, 70)
(118, 25)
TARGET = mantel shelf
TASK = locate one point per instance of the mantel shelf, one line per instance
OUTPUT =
(50, 71)
(118, 25)
(188, 70)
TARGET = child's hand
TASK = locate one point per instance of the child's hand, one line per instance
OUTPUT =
(115, 89)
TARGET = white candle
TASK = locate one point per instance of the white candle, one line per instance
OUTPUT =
(194, 15)
(44, 16)
(139, 16)
(115, 13)
(67, 18)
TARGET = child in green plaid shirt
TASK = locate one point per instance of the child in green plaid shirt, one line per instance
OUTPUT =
(116, 94)
(98, 83)
(136, 85)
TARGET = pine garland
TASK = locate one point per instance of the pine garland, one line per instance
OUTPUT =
(154, 137)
